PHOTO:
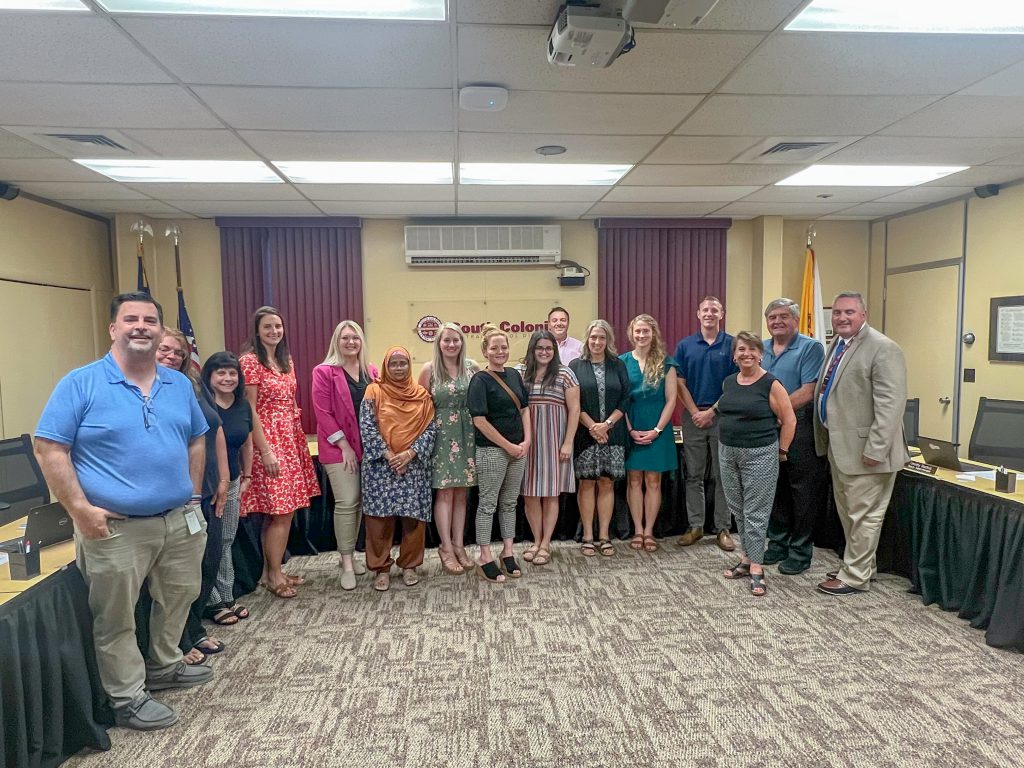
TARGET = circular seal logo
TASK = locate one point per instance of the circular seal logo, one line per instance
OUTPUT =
(427, 328)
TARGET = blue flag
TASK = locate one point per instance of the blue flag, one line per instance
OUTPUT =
(143, 281)
(185, 326)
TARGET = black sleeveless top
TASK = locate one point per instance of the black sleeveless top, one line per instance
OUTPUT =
(746, 419)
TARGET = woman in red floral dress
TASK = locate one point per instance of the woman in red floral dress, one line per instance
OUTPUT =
(283, 479)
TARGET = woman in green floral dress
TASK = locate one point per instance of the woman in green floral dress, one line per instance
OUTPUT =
(447, 377)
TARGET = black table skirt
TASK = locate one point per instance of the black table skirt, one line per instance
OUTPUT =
(51, 701)
(963, 550)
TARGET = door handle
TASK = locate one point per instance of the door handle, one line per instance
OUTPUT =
(944, 400)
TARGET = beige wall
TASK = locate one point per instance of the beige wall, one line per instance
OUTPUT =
(55, 285)
(994, 267)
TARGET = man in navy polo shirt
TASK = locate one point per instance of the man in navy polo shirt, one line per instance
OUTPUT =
(121, 444)
(802, 490)
(705, 361)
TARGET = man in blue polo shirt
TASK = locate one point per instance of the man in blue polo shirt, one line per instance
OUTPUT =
(705, 361)
(121, 444)
(802, 490)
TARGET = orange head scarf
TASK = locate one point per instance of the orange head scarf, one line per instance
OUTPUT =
(404, 409)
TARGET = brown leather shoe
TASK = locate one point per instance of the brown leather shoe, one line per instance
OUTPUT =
(725, 542)
(692, 536)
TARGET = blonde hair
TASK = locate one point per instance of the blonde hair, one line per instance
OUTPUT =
(609, 335)
(336, 358)
(654, 366)
(438, 370)
(489, 331)
(185, 366)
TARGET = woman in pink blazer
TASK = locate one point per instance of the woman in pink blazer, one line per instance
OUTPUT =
(338, 386)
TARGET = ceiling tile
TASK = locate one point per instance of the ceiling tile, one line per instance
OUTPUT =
(676, 194)
(521, 148)
(234, 192)
(655, 209)
(46, 170)
(330, 145)
(965, 116)
(122, 106)
(877, 209)
(379, 192)
(790, 194)
(321, 109)
(308, 52)
(895, 150)
(381, 208)
(148, 207)
(540, 210)
(701, 149)
(780, 209)
(542, 12)
(1009, 82)
(844, 217)
(72, 48)
(926, 195)
(708, 175)
(662, 62)
(582, 113)
(872, 64)
(764, 15)
(529, 192)
(730, 115)
(211, 208)
(980, 174)
(82, 190)
(13, 146)
(193, 144)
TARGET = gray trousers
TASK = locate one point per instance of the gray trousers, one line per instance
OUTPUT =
(223, 592)
(500, 478)
(699, 447)
(749, 476)
(160, 551)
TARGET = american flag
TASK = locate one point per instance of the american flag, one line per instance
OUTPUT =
(185, 326)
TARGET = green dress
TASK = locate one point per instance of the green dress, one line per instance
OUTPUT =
(454, 459)
(645, 407)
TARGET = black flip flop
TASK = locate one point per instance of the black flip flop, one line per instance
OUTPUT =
(490, 572)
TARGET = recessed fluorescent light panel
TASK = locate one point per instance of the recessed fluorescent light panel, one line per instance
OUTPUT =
(365, 173)
(192, 171)
(574, 174)
(869, 175)
(42, 5)
(986, 17)
(410, 10)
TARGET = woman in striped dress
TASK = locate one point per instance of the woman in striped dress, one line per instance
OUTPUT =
(554, 414)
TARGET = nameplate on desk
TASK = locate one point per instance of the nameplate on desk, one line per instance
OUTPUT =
(920, 466)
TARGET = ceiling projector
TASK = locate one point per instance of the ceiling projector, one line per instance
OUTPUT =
(587, 37)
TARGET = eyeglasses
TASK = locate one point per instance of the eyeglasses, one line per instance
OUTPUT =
(148, 414)
(544, 349)
(174, 351)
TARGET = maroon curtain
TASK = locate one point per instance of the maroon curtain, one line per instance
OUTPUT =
(663, 267)
(310, 269)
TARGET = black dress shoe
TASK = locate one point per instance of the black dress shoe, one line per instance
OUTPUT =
(836, 587)
(793, 567)
(832, 575)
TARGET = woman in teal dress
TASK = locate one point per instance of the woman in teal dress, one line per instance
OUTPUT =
(453, 468)
(652, 380)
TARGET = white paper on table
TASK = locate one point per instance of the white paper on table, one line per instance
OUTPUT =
(986, 474)
(3, 558)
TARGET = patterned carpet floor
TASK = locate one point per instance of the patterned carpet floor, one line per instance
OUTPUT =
(635, 660)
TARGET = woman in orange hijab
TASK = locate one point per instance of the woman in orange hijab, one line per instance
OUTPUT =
(396, 424)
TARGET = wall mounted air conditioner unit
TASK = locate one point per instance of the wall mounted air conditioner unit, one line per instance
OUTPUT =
(453, 245)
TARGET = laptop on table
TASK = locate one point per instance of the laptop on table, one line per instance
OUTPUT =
(47, 524)
(942, 453)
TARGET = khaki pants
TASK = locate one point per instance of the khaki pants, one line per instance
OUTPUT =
(345, 487)
(161, 550)
(861, 501)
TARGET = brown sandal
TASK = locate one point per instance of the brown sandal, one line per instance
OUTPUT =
(285, 590)
(637, 542)
(467, 562)
(530, 552)
(450, 563)
(588, 548)
(543, 557)
(650, 545)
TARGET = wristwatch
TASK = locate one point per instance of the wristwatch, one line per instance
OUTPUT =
(609, 422)
(659, 430)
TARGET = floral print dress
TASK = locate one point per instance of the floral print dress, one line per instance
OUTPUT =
(454, 460)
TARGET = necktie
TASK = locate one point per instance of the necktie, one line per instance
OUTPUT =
(826, 385)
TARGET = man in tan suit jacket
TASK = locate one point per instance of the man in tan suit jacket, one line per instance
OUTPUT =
(858, 423)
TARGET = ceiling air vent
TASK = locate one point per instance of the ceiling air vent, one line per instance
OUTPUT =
(795, 150)
(95, 139)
